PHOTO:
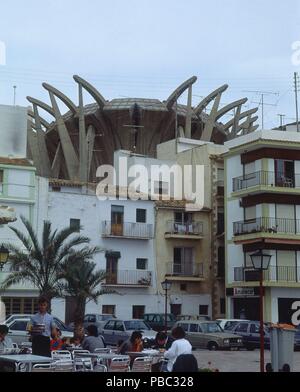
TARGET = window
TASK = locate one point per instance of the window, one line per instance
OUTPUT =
(19, 326)
(17, 305)
(109, 325)
(183, 217)
(1, 180)
(254, 328)
(75, 224)
(221, 222)
(183, 261)
(193, 327)
(203, 310)
(138, 311)
(161, 188)
(221, 262)
(109, 309)
(222, 306)
(243, 327)
(185, 327)
(90, 318)
(141, 215)
(119, 326)
(141, 264)
(176, 309)
(285, 173)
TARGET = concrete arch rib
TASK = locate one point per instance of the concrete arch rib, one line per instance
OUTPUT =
(179, 91)
(91, 90)
(206, 101)
(229, 107)
(42, 105)
(242, 115)
(41, 119)
(67, 101)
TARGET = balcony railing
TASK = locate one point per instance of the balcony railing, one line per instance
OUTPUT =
(266, 178)
(127, 230)
(267, 225)
(273, 274)
(129, 278)
(185, 269)
(190, 228)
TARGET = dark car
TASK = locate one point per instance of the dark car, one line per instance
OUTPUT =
(157, 321)
(250, 332)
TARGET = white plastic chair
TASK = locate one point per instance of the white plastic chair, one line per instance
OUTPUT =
(119, 365)
(78, 352)
(61, 355)
(42, 368)
(83, 364)
(142, 364)
(100, 368)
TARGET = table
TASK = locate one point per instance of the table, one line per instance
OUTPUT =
(25, 358)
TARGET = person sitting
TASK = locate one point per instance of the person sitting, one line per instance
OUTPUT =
(5, 342)
(75, 342)
(93, 340)
(179, 346)
(185, 363)
(56, 343)
(133, 344)
(163, 341)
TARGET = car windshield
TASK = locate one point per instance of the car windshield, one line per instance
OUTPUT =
(211, 327)
(136, 325)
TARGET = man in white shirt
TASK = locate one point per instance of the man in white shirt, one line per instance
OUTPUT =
(179, 346)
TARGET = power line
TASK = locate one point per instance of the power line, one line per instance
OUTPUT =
(262, 102)
(296, 85)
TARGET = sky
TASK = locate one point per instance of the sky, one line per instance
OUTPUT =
(146, 48)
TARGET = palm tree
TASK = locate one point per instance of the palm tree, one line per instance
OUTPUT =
(41, 263)
(83, 283)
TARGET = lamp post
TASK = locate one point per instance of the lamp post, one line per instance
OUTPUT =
(166, 285)
(261, 262)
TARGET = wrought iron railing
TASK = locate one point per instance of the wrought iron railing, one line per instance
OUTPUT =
(128, 230)
(129, 278)
(273, 274)
(189, 228)
(185, 269)
(267, 225)
(266, 178)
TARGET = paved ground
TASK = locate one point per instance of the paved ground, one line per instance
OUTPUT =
(236, 361)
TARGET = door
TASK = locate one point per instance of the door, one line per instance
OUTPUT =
(117, 220)
(111, 270)
(176, 309)
(183, 261)
(119, 332)
(193, 335)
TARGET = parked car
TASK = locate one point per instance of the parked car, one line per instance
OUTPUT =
(60, 324)
(228, 324)
(18, 329)
(250, 332)
(209, 335)
(188, 317)
(94, 319)
(116, 330)
(157, 321)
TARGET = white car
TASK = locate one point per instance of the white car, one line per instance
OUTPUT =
(18, 329)
(227, 324)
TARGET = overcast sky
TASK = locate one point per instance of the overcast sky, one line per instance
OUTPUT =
(146, 48)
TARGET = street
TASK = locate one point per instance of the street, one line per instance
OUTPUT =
(236, 361)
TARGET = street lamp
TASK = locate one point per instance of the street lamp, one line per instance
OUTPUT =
(4, 253)
(261, 262)
(166, 285)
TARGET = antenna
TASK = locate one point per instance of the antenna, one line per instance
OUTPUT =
(262, 102)
(15, 94)
(296, 85)
(281, 116)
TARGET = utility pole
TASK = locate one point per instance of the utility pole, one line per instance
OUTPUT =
(15, 94)
(263, 103)
(296, 85)
(281, 116)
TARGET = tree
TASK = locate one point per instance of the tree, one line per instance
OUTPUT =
(83, 283)
(41, 263)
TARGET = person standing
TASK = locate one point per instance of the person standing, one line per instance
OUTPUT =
(41, 327)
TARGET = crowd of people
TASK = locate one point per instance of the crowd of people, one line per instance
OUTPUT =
(47, 337)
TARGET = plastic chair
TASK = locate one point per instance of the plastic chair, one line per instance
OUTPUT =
(61, 355)
(100, 368)
(42, 368)
(83, 364)
(119, 365)
(22, 367)
(78, 352)
(142, 364)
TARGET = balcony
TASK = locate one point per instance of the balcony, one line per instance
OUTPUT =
(139, 231)
(185, 271)
(134, 278)
(267, 181)
(275, 226)
(190, 230)
(273, 275)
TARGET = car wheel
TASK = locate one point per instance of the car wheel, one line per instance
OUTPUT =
(212, 346)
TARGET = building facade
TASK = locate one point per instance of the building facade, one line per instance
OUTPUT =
(262, 193)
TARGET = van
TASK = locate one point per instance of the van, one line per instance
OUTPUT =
(157, 321)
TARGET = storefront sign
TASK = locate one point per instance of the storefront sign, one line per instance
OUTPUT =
(243, 292)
